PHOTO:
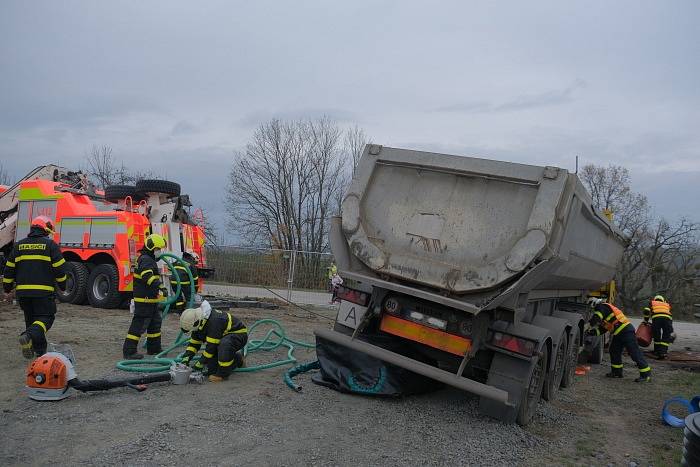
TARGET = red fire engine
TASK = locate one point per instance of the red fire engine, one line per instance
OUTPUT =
(100, 232)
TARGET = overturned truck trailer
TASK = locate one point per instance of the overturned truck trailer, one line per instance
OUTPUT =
(476, 271)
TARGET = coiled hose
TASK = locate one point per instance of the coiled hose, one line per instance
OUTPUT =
(274, 338)
(691, 406)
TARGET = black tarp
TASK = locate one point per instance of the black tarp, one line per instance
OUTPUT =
(350, 371)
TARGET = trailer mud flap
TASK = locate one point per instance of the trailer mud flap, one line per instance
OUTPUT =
(350, 371)
(512, 375)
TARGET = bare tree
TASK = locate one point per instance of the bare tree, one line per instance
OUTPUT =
(4, 176)
(660, 256)
(354, 143)
(282, 187)
(105, 171)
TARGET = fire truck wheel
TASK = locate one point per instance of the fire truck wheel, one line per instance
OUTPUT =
(119, 192)
(158, 186)
(103, 287)
(76, 284)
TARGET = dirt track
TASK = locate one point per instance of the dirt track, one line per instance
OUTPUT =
(254, 419)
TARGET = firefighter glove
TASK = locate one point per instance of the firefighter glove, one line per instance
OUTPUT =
(186, 360)
(198, 366)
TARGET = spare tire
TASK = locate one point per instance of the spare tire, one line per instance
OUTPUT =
(158, 186)
(119, 192)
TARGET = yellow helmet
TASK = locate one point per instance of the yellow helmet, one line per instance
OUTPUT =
(660, 298)
(154, 241)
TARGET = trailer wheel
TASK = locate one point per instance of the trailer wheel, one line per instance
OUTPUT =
(119, 192)
(598, 351)
(103, 287)
(531, 397)
(571, 361)
(76, 284)
(158, 186)
(554, 377)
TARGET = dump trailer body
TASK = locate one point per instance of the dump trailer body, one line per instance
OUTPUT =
(478, 263)
(465, 226)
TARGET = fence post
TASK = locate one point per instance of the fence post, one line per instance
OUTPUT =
(290, 277)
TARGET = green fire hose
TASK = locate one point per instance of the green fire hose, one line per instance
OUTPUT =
(274, 338)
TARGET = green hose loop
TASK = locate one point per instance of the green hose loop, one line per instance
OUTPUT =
(275, 337)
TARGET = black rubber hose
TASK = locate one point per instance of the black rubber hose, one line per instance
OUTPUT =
(106, 384)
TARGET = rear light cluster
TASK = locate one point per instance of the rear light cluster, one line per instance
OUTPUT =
(406, 311)
(355, 296)
(513, 344)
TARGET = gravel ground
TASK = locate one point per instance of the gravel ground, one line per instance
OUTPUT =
(254, 419)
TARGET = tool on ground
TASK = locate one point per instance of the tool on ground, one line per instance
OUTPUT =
(52, 376)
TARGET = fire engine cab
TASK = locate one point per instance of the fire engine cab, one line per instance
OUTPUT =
(100, 232)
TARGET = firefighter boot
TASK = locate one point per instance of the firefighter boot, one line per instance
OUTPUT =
(239, 359)
(25, 342)
(129, 349)
(643, 377)
(614, 373)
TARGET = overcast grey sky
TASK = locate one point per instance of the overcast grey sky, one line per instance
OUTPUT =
(177, 86)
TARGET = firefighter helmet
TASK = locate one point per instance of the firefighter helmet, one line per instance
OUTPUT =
(660, 298)
(194, 318)
(190, 319)
(154, 241)
(593, 301)
(43, 222)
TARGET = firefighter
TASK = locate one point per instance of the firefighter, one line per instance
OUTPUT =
(185, 289)
(224, 335)
(34, 268)
(608, 318)
(661, 325)
(148, 292)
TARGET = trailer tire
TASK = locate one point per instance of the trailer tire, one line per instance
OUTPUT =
(103, 287)
(597, 354)
(76, 284)
(533, 392)
(572, 360)
(554, 377)
(158, 186)
(119, 192)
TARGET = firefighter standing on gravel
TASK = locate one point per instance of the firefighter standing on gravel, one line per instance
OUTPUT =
(147, 295)
(224, 335)
(661, 325)
(35, 266)
(185, 287)
(608, 318)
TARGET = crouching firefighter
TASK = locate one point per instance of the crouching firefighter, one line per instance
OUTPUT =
(147, 295)
(661, 325)
(608, 318)
(185, 287)
(224, 335)
(35, 267)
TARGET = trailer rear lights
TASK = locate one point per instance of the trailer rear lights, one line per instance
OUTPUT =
(513, 344)
(354, 296)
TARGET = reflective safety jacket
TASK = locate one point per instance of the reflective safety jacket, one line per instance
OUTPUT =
(35, 266)
(219, 324)
(146, 279)
(660, 310)
(609, 318)
(185, 290)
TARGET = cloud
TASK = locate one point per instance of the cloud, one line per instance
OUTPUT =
(255, 118)
(183, 127)
(524, 102)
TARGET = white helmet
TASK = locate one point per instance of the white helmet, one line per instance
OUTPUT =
(194, 318)
(593, 301)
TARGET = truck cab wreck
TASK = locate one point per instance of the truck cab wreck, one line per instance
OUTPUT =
(470, 272)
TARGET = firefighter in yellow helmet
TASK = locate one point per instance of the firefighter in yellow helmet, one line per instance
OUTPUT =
(147, 294)
(35, 268)
(607, 317)
(661, 325)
